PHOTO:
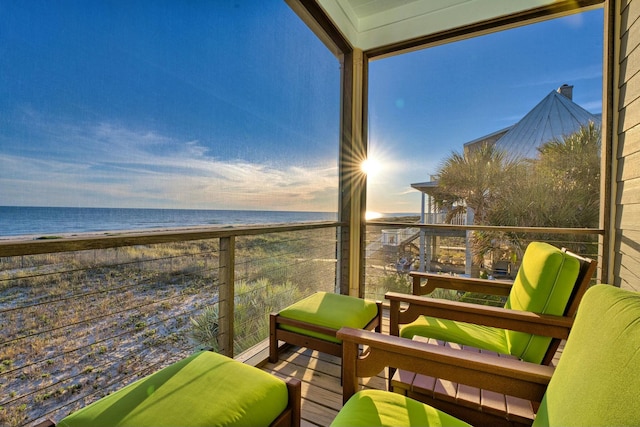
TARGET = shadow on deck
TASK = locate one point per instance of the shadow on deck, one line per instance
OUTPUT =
(320, 377)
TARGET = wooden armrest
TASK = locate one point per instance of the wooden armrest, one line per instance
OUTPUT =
(467, 284)
(507, 376)
(498, 317)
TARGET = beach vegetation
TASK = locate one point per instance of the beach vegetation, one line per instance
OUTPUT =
(204, 328)
(562, 188)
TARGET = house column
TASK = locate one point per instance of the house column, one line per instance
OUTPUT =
(353, 182)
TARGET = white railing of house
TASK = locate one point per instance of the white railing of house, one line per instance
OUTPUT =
(441, 218)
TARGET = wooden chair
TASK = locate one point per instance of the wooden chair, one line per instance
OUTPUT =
(548, 326)
(595, 382)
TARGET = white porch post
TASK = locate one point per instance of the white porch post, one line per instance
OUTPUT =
(468, 257)
(423, 220)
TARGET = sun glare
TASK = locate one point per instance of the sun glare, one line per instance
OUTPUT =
(369, 215)
(370, 166)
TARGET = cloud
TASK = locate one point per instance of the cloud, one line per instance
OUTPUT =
(106, 164)
(568, 76)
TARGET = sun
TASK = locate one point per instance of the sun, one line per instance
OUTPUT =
(371, 166)
(372, 215)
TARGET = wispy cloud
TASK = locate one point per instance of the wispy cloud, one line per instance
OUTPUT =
(106, 164)
(569, 76)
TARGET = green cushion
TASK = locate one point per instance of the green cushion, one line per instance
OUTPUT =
(206, 389)
(479, 336)
(543, 285)
(332, 311)
(382, 408)
(597, 379)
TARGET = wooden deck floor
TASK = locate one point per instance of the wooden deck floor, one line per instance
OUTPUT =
(320, 376)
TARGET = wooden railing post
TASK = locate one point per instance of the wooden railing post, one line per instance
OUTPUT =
(226, 294)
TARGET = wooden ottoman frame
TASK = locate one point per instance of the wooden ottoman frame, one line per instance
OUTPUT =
(276, 333)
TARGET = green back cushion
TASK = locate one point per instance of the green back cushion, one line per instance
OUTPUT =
(543, 285)
(206, 389)
(332, 311)
(382, 408)
(597, 379)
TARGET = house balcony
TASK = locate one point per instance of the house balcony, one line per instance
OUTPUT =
(84, 316)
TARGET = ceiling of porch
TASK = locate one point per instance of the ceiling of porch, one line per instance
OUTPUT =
(374, 24)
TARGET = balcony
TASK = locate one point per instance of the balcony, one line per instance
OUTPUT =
(85, 316)
(82, 317)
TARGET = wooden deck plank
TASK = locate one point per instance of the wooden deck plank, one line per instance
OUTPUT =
(320, 375)
(322, 392)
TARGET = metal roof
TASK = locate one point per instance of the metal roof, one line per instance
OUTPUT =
(425, 186)
(556, 116)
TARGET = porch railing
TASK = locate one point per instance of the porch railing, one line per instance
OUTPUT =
(453, 249)
(83, 316)
(80, 317)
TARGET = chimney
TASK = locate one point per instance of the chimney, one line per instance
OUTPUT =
(566, 90)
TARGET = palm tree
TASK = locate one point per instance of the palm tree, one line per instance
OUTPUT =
(570, 168)
(476, 179)
(561, 188)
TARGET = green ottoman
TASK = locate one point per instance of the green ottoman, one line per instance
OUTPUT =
(314, 321)
(206, 389)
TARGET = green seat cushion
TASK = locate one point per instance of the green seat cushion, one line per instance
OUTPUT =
(597, 379)
(206, 389)
(332, 311)
(544, 283)
(479, 336)
(382, 408)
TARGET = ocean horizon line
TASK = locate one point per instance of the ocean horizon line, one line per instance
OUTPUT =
(34, 221)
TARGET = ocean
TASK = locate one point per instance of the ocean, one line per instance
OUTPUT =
(47, 221)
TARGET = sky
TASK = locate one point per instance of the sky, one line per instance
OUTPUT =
(235, 104)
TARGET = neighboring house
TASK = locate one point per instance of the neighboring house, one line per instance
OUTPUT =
(554, 117)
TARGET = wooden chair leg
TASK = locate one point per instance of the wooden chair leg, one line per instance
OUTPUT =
(273, 339)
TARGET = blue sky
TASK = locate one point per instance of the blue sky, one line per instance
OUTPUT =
(234, 105)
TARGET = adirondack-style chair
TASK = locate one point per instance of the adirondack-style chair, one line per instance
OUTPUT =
(538, 313)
